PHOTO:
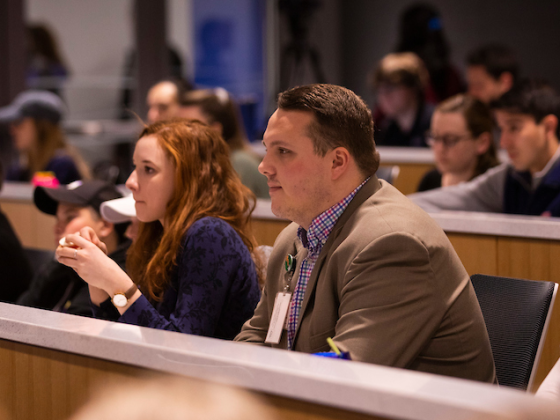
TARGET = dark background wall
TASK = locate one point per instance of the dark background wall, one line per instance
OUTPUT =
(353, 35)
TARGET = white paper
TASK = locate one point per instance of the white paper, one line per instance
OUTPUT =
(279, 312)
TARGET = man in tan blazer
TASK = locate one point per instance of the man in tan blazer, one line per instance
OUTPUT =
(361, 263)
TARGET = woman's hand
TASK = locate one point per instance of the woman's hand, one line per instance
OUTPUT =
(89, 234)
(91, 263)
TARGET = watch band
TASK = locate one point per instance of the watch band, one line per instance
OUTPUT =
(120, 300)
(131, 290)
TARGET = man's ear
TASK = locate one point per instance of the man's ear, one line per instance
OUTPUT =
(483, 142)
(340, 161)
(550, 123)
(106, 229)
(506, 81)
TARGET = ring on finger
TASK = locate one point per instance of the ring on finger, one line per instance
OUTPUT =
(75, 254)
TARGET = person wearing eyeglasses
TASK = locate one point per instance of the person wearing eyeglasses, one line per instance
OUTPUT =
(462, 141)
(529, 183)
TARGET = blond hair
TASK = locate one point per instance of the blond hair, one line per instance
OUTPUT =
(172, 398)
(401, 69)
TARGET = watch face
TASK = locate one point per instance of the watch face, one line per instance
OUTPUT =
(120, 300)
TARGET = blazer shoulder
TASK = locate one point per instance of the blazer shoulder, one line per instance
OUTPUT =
(388, 211)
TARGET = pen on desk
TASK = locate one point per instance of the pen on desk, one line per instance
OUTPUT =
(333, 346)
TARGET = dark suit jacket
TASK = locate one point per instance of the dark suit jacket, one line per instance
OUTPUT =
(388, 287)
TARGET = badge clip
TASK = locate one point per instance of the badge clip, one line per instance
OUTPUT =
(290, 263)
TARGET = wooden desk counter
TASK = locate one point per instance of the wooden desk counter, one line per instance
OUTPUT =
(34, 228)
(50, 361)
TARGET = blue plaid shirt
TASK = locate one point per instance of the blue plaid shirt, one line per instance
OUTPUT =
(314, 240)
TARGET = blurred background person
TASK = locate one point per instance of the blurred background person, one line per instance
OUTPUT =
(421, 31)
(402, 116)
(192, 261)
(462, 141)
(46, 67)
(163, 99)
(492, 70)
(14, 266)
(122, 210)
(529, 183)
(35, 124)
(217, 108)
(172, 398)
(55, 286)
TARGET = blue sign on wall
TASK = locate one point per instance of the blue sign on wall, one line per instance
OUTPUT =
(229, 42)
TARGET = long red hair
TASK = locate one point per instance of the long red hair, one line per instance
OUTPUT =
(205, 185)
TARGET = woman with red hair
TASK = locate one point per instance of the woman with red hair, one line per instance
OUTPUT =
(191, 268)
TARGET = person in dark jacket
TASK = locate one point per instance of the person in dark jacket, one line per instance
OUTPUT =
(55, 286)
(529, 183)
(15, 270)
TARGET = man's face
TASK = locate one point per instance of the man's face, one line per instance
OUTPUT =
(524, 140)
(298, 179)
(71, 219)
(483, 86)
(162, 102)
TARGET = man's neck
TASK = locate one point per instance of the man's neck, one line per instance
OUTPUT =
(545, 157)
(339, 194)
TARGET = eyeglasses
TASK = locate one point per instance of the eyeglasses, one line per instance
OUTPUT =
(446, 141)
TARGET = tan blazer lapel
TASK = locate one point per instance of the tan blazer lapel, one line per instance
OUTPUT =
(301, 253)
(361, 196)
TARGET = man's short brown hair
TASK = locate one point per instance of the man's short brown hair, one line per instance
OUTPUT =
(342, 119)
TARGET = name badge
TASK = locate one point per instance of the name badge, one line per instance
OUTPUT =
(278, 318)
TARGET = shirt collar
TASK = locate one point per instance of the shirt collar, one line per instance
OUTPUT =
(538, 176)
(321, 226)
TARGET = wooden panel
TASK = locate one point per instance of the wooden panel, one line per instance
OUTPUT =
(299, 410)
(410, 175)
(38, 383)
(34, 228)
(535, 260)
(266, 230)
(479, 254)
(531, 259)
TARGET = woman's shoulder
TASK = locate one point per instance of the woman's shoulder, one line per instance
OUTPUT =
(209, 222)
(210, 228)
(213, 233)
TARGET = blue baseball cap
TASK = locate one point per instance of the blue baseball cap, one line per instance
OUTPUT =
(37, 104)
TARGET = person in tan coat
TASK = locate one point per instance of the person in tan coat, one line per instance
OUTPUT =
(361, 264)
